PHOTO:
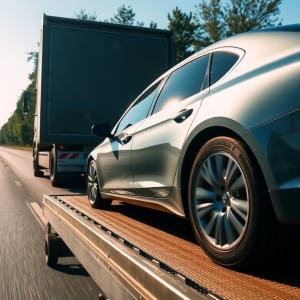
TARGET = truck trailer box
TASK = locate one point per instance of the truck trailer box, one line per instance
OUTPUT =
(89, 72)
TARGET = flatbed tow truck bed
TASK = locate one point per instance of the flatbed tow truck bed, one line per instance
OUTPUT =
(131, 258)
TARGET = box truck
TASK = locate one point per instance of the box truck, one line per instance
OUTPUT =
(88, 72)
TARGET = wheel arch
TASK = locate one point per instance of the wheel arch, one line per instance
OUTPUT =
(89, 159)
(203, 133)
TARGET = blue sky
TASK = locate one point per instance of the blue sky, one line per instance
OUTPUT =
(21, 19)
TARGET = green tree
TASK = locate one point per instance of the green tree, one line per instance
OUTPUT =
(18, 130)
(184, 33)
(153, 25)
(85, 16)
(217, 21)
(212, 29)
(247, 15)
(126, 16)
(34, 55)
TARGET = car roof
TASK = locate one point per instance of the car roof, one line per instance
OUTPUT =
(287, 28)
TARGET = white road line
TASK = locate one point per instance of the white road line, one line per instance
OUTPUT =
(35, 215)
(39, 212)
(18, 183)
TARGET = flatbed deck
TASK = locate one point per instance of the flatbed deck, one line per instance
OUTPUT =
(174, 252)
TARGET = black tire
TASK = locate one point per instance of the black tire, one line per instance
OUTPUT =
(234, 232)
(51, 250)
(55, 177)
(94, 196)
(36, 171)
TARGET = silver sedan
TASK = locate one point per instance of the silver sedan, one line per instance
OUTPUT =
(216, 139)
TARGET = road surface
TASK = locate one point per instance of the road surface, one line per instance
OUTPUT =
(23, 272)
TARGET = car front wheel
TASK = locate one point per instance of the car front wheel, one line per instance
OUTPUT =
(229, 209)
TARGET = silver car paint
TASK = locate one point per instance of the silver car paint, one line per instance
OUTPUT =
(271, 67)
(156, 148)
(114, 163)
(279, 141)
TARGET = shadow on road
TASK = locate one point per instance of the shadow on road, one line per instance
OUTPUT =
(71, 269)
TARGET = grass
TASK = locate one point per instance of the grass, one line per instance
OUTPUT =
(18, 147)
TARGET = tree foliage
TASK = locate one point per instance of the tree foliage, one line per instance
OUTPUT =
(18, 130)
(184, 33)
(217, 21)
(153, 25)
(246, 15)
(125, 16)
(211, 29)
(82, 15)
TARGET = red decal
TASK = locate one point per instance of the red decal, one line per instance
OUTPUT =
(63, 155)
(74, 155)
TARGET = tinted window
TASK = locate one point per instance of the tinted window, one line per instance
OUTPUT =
(183, 83)
(221, 63)
(140, 109)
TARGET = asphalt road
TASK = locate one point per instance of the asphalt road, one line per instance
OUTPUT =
(23, 272)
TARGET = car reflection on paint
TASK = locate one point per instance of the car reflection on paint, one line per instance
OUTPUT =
(216, 139)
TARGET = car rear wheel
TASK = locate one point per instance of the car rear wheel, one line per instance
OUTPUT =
(94, 196)
(229, 208)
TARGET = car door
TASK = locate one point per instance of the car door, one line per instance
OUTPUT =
(158, 140)
(114, 160)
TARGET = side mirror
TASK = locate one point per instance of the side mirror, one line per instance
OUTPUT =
(26, 102)
(102, 130)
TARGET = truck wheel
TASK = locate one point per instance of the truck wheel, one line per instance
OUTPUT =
(229, 208)
(51, 249)
(54, 175)
(94, 196)
(36, 171)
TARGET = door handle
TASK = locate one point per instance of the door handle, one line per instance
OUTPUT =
(182, 115)
(125, 139)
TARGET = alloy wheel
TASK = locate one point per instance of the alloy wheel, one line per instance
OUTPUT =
(221, 200)
(92, 184)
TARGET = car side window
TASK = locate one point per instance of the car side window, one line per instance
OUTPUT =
(221, 63)
(183, 83)
(140, 109)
